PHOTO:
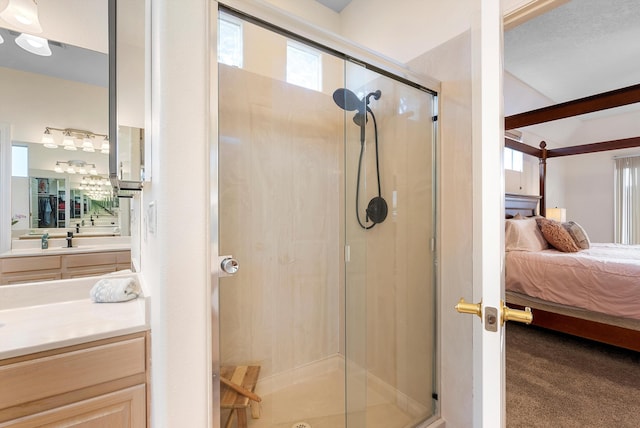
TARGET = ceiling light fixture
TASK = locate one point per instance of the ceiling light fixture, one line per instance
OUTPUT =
(22, 14)
(34, 44)
(69, 137)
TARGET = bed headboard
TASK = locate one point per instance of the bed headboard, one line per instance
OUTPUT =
(525, 205)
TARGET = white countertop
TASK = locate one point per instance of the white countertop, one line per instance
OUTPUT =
(58, 250)
(64, 319)
(59, 246)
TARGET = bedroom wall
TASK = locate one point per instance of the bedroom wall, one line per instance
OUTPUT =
(583, 184)
(525, 182)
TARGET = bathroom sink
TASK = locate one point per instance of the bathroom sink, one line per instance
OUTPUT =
(72, 249)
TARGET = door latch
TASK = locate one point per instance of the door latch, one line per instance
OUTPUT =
(491, 319)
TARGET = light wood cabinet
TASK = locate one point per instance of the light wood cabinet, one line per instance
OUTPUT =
(28, 269)
(14, 270)
(102, 383)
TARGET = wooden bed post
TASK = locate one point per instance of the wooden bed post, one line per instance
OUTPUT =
(543, 176)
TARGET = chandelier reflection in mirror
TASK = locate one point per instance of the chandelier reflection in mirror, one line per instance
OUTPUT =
(74, 139)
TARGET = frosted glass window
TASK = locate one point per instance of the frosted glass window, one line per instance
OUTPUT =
(513, 160)
(304, 66)
(229, 40)
(19, 161)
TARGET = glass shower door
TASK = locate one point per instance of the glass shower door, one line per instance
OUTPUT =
(329, 323)
(280, 205)
(389, 231)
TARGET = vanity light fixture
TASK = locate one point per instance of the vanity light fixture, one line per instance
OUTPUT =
(47, 140)
(104, 147)
(67, 142)
(96, 187)
(34, 44)
(87, 144)
(22, 14)
(75, 166)
(69, 137)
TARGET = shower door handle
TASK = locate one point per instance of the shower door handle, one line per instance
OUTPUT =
(228, 266)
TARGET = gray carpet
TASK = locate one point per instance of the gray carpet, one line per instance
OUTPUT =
(556, 380)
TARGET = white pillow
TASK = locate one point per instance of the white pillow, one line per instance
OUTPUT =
(523, 235)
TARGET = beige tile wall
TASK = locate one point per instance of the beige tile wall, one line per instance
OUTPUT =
(283, 216)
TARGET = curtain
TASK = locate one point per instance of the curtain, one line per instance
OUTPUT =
(627, 200)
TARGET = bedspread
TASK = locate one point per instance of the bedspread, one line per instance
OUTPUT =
(604, 278)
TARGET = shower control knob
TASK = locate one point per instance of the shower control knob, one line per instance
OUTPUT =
(229, 265)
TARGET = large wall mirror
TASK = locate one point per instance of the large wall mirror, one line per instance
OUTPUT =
(54, 116)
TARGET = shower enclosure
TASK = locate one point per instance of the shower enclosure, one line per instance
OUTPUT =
(314, 150)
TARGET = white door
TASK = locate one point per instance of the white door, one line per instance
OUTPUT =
(488, 224)
(488, 221)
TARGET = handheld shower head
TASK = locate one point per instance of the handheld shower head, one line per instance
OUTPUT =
(347, 100)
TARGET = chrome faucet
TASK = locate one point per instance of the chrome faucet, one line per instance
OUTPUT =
(44, 244)
(69, 238)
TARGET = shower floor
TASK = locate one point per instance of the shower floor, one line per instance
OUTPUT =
(319, 402)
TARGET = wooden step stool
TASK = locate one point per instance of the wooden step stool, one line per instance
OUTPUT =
(237, 384)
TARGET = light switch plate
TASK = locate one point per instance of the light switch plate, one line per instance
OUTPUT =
(151, 218)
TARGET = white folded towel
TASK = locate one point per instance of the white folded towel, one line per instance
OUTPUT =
(114, 290)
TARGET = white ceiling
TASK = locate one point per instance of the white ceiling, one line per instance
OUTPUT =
(66, 61)
(581, 48)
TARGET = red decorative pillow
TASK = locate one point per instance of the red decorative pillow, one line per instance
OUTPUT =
(557, 236)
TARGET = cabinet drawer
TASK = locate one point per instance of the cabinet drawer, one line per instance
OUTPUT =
(125, 408)
(22, 277)
(44, 377)
(82, 272)
(123, 257)
(23, 264)
(90, 259)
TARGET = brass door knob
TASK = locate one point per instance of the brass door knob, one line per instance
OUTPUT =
(510, 314)
(469, 308)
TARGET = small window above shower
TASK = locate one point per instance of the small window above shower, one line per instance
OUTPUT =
(230, 40)
(304, 66)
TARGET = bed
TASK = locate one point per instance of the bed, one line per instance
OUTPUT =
(573, 292)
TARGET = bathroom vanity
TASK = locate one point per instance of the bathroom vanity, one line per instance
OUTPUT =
(72, 264)
(65, 360)
(88, 257)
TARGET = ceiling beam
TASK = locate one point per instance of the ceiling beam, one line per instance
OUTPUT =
(624, 143)
(593, 103)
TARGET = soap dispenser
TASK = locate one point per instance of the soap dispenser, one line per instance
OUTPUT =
(44, 241)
